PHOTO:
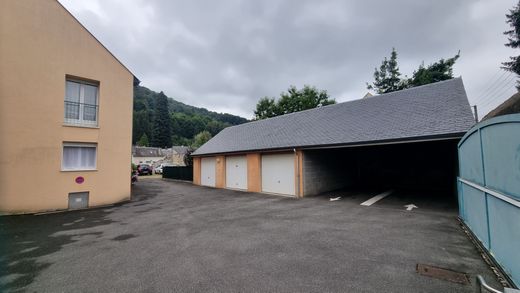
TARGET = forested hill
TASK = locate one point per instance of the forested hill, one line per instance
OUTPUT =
(185, 121)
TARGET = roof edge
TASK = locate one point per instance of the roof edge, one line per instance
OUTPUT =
(457, 135)
(136, 81)
(350, 101)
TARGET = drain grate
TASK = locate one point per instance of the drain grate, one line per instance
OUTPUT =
(442, 274)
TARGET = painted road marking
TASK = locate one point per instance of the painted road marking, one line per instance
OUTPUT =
(410, 207)
(376, 198)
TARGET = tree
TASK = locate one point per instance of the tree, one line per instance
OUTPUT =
(141, 125)
(143, 141)
(294, 100)
(266, 108)
(513, 19)
(161, 123)
(188, 159)
(201, 138)
(438, 71)
(388, 78)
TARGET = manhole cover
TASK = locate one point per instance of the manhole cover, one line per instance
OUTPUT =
(442, 274)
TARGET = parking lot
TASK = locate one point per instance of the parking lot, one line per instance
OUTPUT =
(176, 237)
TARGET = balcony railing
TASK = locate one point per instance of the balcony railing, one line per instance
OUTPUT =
(81, 114)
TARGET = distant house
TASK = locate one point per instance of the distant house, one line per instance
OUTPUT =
(155, 156)
(148, 155)
(178, 155)
(65, 113)
(400, 140)
(509, 106)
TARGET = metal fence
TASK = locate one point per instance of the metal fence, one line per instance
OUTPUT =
(179, 173)
(489, 189)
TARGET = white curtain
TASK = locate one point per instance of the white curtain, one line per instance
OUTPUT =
(90, 102)
(79, 158)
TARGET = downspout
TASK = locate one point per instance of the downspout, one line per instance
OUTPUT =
(298, 175)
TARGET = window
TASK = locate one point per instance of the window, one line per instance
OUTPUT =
(79, 156)
(81, 103)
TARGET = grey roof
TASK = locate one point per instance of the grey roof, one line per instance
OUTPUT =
(435, 110)
(147, 152)
(181, 150)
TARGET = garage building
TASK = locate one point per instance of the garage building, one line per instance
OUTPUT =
(405, 139)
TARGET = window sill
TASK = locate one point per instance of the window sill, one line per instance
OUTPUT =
(81, 125)
(78, 170)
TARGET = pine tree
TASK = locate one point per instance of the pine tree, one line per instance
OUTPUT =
(161, 123)
(143, 141)
(388, 78)
(513, 19)
(438, 71)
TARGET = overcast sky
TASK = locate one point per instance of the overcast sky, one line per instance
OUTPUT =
(225, 55)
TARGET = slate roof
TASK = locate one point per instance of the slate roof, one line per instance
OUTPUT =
(147, 152)
(181, 150)
(509, 106)
(431, 111)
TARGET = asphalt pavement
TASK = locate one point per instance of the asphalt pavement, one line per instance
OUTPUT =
(176, 237)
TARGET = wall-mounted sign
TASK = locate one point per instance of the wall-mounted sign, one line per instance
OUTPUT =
(80, 179)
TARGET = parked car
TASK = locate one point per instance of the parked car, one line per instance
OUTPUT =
(159, 169)
(144, 169)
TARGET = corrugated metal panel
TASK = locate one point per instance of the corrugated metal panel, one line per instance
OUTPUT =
(489, 188)
(501, 143)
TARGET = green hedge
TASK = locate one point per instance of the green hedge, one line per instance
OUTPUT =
(179, 173)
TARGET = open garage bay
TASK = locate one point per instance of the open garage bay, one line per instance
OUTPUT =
(415, 168)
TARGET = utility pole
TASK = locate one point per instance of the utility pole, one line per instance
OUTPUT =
(476, 113)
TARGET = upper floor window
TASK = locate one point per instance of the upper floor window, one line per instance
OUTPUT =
(81, 103)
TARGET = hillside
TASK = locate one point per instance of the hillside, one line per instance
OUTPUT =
(186, 121)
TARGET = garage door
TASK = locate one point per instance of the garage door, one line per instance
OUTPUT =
(236, 172)
(207, 172)
(278, 174)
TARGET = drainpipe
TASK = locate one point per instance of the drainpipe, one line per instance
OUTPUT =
(298, 175)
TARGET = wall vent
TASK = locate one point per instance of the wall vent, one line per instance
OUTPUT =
(78, 200)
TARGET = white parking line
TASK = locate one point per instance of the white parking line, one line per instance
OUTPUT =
(376, 198)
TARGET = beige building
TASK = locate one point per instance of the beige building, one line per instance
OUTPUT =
(65, 113)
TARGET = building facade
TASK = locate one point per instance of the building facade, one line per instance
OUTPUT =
(65, 113)
(404, 140)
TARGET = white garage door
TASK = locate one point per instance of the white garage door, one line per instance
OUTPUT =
(207, 172)
(236, 172)
(278, 174)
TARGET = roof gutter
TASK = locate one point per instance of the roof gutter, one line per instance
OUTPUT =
(451, 136)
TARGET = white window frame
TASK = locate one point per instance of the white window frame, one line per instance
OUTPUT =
(83, 145)
(81, 121)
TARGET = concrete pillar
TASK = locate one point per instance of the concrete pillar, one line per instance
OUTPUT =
(254, 174)
(298, 173)
(220, 166)
(196, 170)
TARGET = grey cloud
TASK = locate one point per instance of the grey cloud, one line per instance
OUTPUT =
(225, 55)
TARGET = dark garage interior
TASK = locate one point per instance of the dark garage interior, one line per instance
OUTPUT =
(429, 166)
